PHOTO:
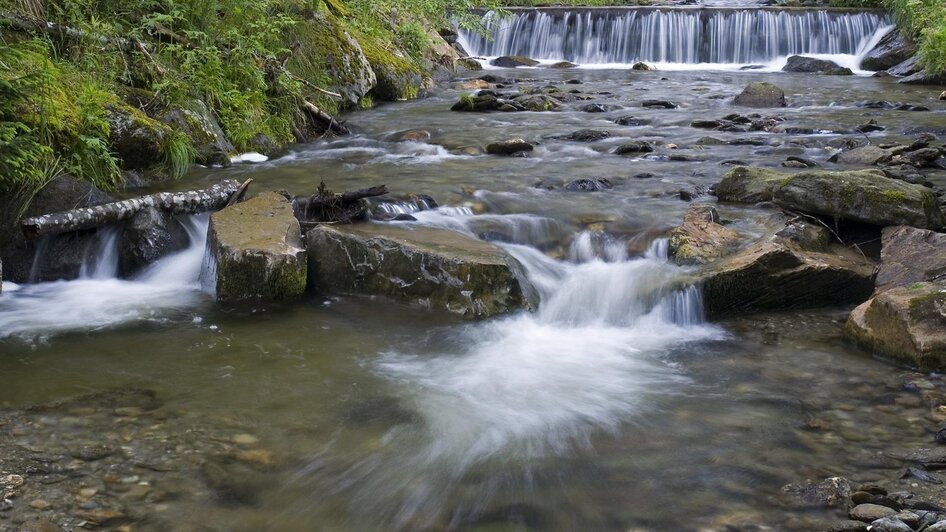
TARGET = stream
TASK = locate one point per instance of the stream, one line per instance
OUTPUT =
(614, 406)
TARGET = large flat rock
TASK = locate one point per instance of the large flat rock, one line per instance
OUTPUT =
(256, 247)
(907, 323)
(435, 268)
(865, 196)
(777, 273)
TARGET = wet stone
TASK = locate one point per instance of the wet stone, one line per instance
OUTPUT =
(870, 512)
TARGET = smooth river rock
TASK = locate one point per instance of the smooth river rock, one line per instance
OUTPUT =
(435, 268)
(761, 94)
(513, 61)
(909, 255)
(509, 147)
(701, 238)
(865, 196)
(148, 236)
(870, 512)
(778, 273)
(256, 250)
(907, 323)
(800, 63)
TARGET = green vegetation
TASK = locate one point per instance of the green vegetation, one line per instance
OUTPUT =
(925, 21)
(247, 65)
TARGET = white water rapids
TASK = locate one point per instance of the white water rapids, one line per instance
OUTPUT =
(99, 299)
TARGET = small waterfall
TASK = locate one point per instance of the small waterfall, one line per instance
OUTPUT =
(99, 299)
(674, 35)
(101, 261)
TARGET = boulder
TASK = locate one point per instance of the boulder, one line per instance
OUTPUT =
(536, 102)
(513, 61)
(136, 138)
(800, 63)
(62, 254)
(587, 135)
(481, 103)
(659, 104)
(341, 56)
(907, 323)
(256, 251)
(909, 255)
(761, 94)
(435, 268)
(640, 65)
(467, 64)
(865, 196)
(397, 77)
(201, 126)
(776, 273)
(632, 121)
(563, 65)
(906, 68)
(701, 238)
(892, 50)
(634, 148)
(509, 147)
(889, 524)
(924, 77)
(149, 235)
(864, 155)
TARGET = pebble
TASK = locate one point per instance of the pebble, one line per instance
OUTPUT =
(129, 411)
(88, 493)
(870, 512)
(245, 439)
(40, 504)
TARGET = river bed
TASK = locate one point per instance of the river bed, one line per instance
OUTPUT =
(614, 407)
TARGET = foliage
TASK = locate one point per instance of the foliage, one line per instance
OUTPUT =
(252, 62)
(925, 21)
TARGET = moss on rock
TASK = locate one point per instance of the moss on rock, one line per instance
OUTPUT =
(256, 249)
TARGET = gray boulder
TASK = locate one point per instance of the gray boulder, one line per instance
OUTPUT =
(148, 236)
(865, 155)
(640, 65)
(906, 68)
(777, 273)
(800, 63)
(256, 251)
(509, 147)
(435, 268)
(635, 147)
(344, 59)
(205, 132)
(865, 196)
(513, 61)
(892, 50)
(909, 255)
(907, 323)
(889, 524)
(701, 238)
(924, 77)
(761, 94)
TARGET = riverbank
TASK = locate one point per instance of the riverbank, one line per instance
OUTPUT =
(133, 95)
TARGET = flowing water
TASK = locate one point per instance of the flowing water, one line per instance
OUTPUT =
(615, 406)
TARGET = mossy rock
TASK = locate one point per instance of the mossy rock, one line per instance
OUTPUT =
(397, 77)
(467, 64)
(907, 323)
(256, 250)
(328, 49)
(865, 196)
(138, 139)
(761, 94)
(434, 268)
(200, 125)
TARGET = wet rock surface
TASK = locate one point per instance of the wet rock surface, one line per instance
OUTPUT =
(761, 94)
(433, 268)
(701, 238)
(256, 250)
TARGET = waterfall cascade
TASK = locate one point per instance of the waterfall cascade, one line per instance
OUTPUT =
(675, 35)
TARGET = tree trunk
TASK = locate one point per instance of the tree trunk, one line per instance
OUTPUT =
(191, 202)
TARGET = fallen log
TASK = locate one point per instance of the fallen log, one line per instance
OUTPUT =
(190, 202)
(325, 119)
(327, 207)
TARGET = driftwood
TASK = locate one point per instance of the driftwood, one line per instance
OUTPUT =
(191, 202)
(327, 207)
(327, 120)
